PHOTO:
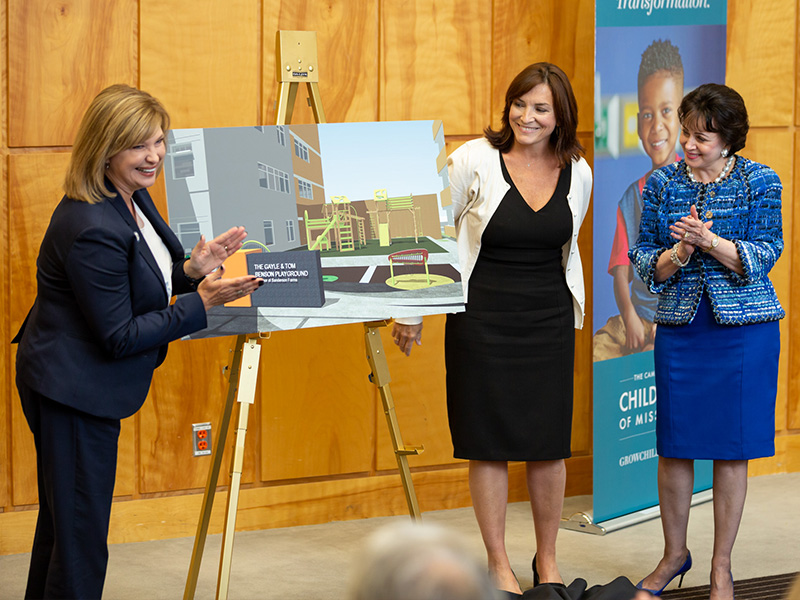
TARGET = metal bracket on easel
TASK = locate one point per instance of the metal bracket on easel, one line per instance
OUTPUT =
(296, 63)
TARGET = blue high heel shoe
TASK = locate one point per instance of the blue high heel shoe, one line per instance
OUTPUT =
(682, 571)
(733, 586)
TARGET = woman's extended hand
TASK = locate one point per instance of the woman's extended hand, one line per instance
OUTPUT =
(214, 290)
(406, 335)
(692, 231)
(206, 257)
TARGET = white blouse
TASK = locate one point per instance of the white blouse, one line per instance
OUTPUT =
(159, 250)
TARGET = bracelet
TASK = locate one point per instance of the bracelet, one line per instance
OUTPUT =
(673, 255)
(714, 244)
(192, 281)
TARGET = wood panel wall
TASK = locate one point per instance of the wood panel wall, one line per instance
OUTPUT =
(317, 446)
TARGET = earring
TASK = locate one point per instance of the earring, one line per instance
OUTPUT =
(108, 165)
(724, 152)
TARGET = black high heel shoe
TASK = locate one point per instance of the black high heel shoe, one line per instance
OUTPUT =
(506, 594)
(536, 576)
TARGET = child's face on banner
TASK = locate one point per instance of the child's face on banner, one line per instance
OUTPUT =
(659, 99)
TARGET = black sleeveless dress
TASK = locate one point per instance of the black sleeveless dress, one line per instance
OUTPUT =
(510, 356)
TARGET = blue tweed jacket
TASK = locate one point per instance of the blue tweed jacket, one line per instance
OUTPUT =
(746, 209)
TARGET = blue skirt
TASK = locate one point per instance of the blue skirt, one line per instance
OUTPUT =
(716, 387)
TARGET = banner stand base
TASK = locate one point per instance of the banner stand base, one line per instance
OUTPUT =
(583, 522)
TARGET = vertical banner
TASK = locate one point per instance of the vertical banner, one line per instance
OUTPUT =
(649, 53)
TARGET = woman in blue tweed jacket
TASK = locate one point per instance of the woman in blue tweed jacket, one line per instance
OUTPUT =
(709, 235)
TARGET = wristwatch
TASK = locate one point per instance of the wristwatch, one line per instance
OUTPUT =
(714, 244)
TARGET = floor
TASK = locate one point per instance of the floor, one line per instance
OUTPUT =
(314, 561)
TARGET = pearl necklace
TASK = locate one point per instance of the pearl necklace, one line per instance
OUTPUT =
(725, 170)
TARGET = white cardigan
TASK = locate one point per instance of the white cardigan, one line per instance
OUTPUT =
(477, 187)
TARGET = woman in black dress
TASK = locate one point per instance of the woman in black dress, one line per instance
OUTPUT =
(519, 197)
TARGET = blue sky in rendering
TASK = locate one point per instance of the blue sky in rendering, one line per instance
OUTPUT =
(358, 158)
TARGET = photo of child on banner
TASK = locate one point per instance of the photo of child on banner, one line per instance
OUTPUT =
(660, 90)
(642, 75)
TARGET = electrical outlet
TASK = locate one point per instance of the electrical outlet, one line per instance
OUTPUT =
(201, 439)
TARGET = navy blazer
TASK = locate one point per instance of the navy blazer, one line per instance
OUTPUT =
(101, 320)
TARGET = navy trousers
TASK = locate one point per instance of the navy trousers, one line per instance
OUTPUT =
(76, 460)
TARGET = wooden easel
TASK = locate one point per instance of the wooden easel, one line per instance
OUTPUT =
(296, 63)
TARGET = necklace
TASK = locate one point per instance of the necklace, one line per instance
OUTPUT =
(725, 170)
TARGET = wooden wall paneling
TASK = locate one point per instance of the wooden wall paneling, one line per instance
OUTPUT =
(347, 50)
(435, 62)
(556, 31)
(34, 191)
(419, 393)
(34, 182)
(316, 417)
(317, 409)
(793, 318)
(289, 505)
(23, 457)
(299, 504)
(189, 388)
(16, 531)
(61, 54)
(452, 143)
(774, 148)
(349, 498)
(261, 508)
(786, 459)
(761, 58)
(4, 86)
(7, 351)
(202, 60)
(126, 482)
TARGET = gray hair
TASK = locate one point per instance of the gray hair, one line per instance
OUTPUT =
(411, 561)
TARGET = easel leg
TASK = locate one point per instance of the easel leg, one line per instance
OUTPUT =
(241, 381)
(316, 101)
(247, 389)
(286, 97)
(226, 553)
(234, 366)
(381, 378)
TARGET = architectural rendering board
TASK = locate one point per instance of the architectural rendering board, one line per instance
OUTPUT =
(346, 222)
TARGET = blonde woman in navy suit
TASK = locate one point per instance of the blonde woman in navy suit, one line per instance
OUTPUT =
(100, 325)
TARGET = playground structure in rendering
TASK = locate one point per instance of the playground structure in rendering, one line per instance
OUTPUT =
(342, 229)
